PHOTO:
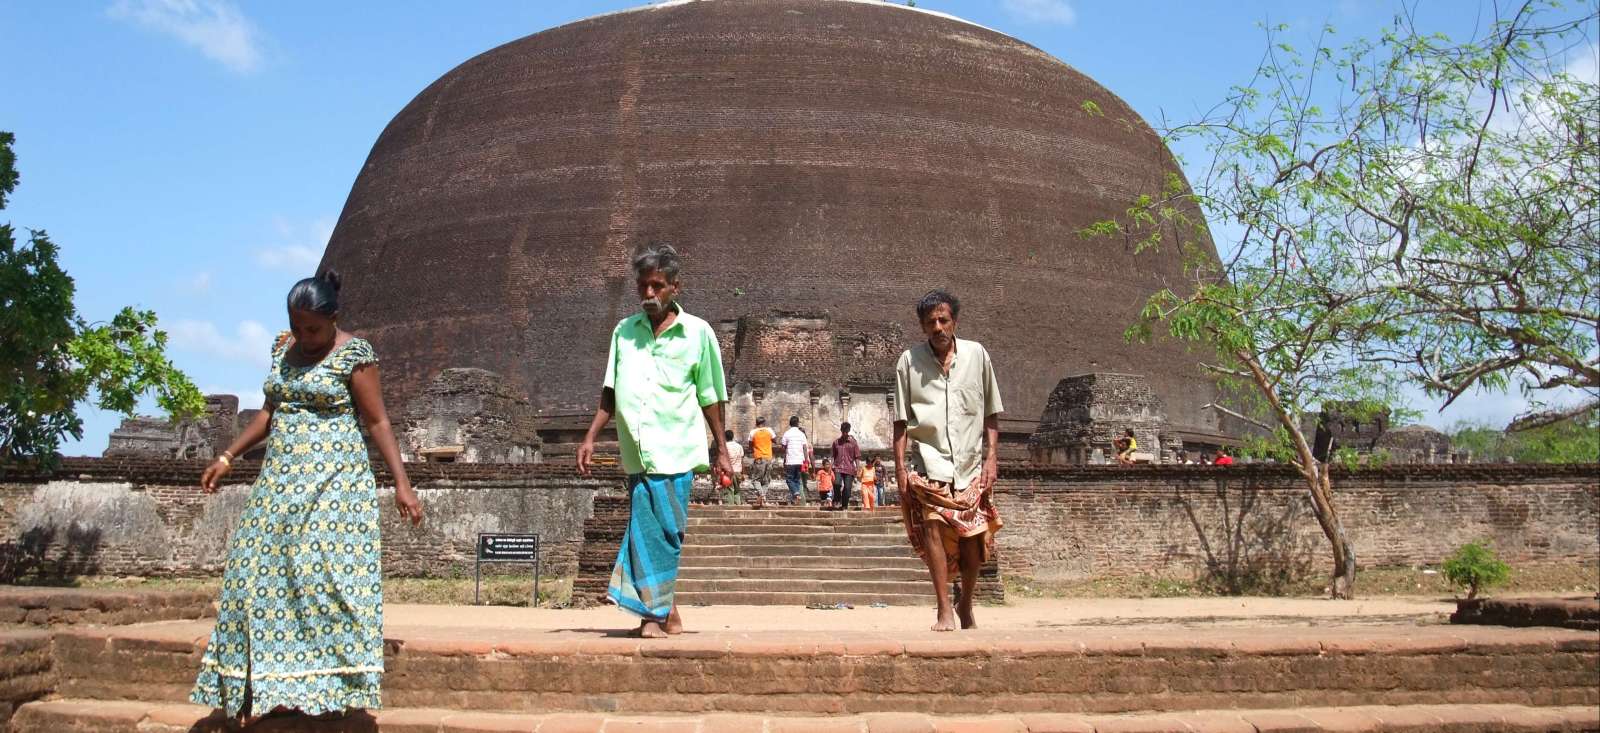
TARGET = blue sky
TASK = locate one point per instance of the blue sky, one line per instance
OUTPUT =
(191, 156)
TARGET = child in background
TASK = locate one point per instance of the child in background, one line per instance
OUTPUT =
(869, 486)
(825, 481)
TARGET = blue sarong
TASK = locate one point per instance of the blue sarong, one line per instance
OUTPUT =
(642, 583)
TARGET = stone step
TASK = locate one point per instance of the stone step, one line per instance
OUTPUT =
(696, 586)
(918, 573)
(791, 525)
(846, 672)
(701, 549)
(817, 539)
(892, 513)
(139, 717)
(803, 598)
(908, 561)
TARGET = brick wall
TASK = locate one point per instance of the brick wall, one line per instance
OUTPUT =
(145, 517)
(148, 517)
(1094, 521)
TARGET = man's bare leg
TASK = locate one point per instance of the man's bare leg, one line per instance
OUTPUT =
(940, 571)
(674, 621)
(971, 559)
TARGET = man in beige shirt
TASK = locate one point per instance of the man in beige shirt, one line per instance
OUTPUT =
(948, 402)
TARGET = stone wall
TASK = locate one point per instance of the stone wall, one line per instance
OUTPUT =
(1076, 523)
(149, 518)
(102, 516)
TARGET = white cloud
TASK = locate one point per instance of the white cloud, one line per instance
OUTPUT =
(1585, 65)
(250, 343)
(299, 248)
(200, 284)
(215, 27)
(1041, 11)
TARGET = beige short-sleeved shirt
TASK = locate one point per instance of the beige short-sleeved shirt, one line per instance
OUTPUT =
(944, 413)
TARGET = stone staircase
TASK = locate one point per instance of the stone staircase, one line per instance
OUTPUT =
(799, 556)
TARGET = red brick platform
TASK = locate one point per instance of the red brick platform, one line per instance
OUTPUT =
(867, 671)
(132, 717)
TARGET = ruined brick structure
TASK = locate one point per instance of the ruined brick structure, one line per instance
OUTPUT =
(785, 364)
(162, 438)
(1417, 444)
(836, 159)
(472, 416)
(1087, 412)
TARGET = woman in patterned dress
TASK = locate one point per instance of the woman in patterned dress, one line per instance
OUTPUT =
(300, 625)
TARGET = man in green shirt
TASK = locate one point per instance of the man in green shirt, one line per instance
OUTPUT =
(664, 384)
(948, 402)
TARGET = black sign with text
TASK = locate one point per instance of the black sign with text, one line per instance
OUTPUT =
(508, 547)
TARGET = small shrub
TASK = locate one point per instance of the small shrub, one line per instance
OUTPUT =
(1475, 567)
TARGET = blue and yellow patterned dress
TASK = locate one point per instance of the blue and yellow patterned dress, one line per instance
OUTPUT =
(301, 617)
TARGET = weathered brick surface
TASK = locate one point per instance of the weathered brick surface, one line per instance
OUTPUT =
(27, 670)
(1059, 673)
(1571, 613)
(43, 606)
(750, 134)
(1095, 521)
(147, 517)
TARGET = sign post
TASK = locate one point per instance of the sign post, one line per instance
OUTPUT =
(502, 547)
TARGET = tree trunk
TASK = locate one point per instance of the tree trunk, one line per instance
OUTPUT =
(1343, 583)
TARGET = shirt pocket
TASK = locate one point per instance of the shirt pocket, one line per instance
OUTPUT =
(967, 401)
(674, 366)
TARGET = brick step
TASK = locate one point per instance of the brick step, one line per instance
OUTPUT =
(779, 525)
(909, 561)
(45, 606)
(697, 586)
(817, 539)
(979, 672)
(919, 573)
(691, 548)
(139, 717)
(803, 598)
(792, 513)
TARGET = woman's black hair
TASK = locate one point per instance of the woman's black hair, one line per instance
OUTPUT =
(318, 294)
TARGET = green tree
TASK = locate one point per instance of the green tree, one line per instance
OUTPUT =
(1575, 440)
(1406, 208)
(51, 359)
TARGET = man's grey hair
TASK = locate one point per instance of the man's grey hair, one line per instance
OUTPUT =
(657, 256)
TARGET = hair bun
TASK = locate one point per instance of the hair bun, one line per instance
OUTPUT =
(332, 278)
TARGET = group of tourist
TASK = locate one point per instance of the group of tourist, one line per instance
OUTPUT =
(836, 475)
(1126, 446)
(300, 621)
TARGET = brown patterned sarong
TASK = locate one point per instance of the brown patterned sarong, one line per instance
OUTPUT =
(957, 514)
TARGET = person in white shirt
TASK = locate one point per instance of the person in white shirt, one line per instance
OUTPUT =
(796, 454)
(736, 459)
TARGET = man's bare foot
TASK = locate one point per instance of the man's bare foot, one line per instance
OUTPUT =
(964, 612)
(946, 622)
(651, 630)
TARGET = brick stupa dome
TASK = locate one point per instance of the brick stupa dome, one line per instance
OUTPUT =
(833, 158)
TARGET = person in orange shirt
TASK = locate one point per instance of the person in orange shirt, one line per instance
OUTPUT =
(825, 481)
(760, 441)
(869, 486)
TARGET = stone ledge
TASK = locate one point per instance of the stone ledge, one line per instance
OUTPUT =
(1083, 671)
(141, 717)
(1581, 613)
(47, 606)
